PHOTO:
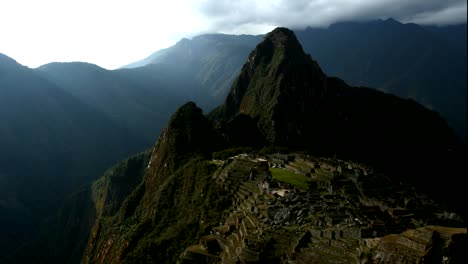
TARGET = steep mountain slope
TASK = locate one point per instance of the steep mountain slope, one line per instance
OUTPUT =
(277, 72)
(63, 237)
(227, 206)
(163, 213)
(51, 143)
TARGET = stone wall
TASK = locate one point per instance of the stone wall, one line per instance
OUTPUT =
(336, 233)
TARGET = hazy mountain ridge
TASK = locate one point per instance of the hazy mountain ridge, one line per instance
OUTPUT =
(208, 62)
(130, 104)
(51, 143)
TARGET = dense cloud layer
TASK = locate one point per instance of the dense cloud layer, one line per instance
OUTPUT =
(246, 16)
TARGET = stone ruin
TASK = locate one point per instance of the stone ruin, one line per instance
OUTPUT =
(327, 222)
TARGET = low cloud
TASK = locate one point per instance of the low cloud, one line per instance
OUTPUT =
(246, 16)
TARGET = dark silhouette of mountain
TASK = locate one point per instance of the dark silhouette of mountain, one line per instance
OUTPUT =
(184, 194)
(51, 143)
(453, 35)
(403, 59)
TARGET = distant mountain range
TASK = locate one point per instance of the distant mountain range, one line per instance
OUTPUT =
(427, 64)
(208, 62)
(62, 124)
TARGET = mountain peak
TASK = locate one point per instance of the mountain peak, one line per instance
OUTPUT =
(74, 67)
(183, 41)
(188, 132)
(391, 20)
(278, 73)
(282, 37)
(282, 42)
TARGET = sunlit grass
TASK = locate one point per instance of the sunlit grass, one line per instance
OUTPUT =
(297, 180)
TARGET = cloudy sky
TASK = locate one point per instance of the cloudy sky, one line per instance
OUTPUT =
(112, 33)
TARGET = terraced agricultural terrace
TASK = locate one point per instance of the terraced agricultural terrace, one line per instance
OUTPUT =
(316, 210)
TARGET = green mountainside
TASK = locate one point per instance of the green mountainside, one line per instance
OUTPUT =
(278, 208)
(176, 189)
